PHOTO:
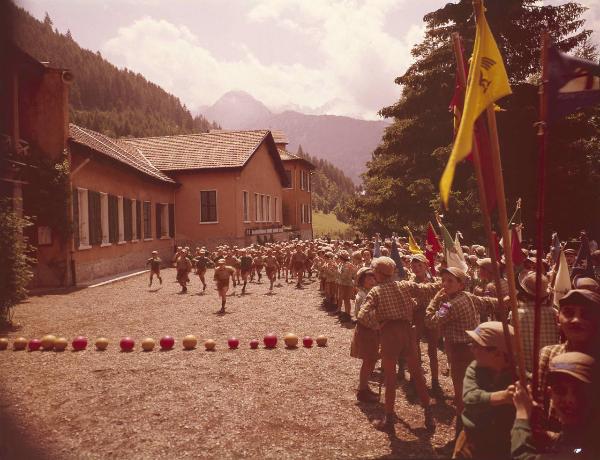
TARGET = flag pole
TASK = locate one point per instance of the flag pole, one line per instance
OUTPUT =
(510, 274)
(485, 214)
(542, 134)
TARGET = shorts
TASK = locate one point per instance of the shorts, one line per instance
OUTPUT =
(182, 275)
(246, 271)
(365, 343)
(201, 271)
(298, 267)
(395, 339)
(222, 284)
(345, 292)
(271, 271)
(155, 271)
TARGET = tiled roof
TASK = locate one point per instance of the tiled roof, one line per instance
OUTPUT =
(287, 156)
(279, 137)
(216, 149)
(117, 150)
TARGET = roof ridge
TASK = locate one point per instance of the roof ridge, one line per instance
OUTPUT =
(202, 134)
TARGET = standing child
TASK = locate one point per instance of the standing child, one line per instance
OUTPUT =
(154, 263)
(223, 274)
(271, 267)
(346, 277)
(487, 396)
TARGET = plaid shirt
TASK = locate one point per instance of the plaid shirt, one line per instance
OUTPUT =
(546, 354)
(394, 300)
(548, 329)
(459, 314)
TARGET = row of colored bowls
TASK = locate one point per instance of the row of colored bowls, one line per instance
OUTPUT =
(189, 342)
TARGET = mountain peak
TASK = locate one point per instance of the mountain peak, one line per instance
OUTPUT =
(239, 109)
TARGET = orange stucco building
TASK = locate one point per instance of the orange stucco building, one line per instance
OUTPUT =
(128, 197)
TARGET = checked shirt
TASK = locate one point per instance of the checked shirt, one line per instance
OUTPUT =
(394, 300)
(458, 314)
(548, 329)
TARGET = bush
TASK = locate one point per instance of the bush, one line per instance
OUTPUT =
(15, 269)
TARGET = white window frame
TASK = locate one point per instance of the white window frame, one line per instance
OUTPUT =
(301, 179)
(104, 219)
(121, 222)
(276, 208)
(256, 206)
(83, 224)
(268, 207)
(164, 221)
(245, 206)
(133, 220)
(261, 214)
(309, 181)
(309, 213)
(216, 207)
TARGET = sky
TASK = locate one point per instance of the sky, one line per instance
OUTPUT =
(336, 57)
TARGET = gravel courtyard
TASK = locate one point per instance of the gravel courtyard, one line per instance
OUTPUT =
(241, 403)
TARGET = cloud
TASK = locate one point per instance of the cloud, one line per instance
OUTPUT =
(352, 73)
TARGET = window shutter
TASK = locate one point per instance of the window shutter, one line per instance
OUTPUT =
(113, 219)
(172, 220)
(75, 198)
(158, 218)
(138, 219)
(127, 219)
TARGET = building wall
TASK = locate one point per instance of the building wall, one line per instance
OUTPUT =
(294, 198)
(258, 176)
(110, 177)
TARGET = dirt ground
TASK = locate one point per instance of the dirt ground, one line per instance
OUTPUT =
(241, 403)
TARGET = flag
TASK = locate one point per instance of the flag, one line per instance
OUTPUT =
(453, 259)
(573, 83)
(555, 248)
(562, 283)
(432, 247)
(517, 252)
(481, 139)
(516, 221)
(395, 256)
(584, 257)
(486, 83)
(412, 244)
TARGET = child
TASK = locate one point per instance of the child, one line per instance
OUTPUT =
(298, 264)
(271, 267)
(154, 263)
(455, 311)
(201, 262)
(346, 277)
(570, 378)
(184, 266)
(579, 321)
(223, 273)
(246, 263)
(488, 413)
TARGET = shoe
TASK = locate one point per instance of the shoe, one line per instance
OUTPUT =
(386, 423)
(429, 420)
(436, 389)
(367, 396)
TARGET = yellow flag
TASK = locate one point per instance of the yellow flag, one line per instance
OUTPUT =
(487, 82)
(412, 244)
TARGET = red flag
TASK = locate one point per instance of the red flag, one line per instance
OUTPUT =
(432, 247)
(481, 138)
(515, 244)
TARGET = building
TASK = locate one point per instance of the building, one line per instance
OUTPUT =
(230, 185)
(120, 199)
(297, 200)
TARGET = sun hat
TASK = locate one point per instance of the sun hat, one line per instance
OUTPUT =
(491, 334)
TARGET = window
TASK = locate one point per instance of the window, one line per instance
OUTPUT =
(172, 220)
(104, 218)
(275, 209)
(83, 218)
(246, 206)
(159, 220)
(268, 209)
(288, 174)
(94, 217)
(147, 222)
(121, 221)
(256, 204)
(127, 219)
(138, 219)
(305, 214)
(309, 181)
(208, 206)
(261, 214)
(113, 219)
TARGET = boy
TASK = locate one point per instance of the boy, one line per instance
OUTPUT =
(154, 263)
(223, 273)
(455, 311)
(579, 321)
(271, 267)
(571, 377)
(201, 262)
(487, 396)
(184, 266)
(246, 263)
(346, 277)
(297, 265)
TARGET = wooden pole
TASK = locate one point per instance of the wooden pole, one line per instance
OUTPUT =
(502, 217)
(485, 214)
(542, 139)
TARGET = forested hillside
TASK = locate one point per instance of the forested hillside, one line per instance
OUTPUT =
(331, 188)
(116, 102)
